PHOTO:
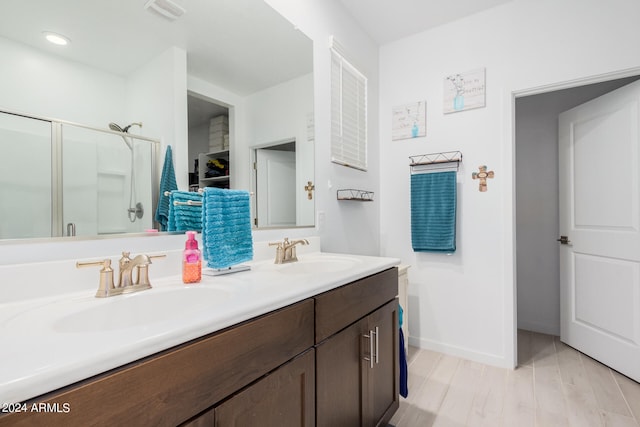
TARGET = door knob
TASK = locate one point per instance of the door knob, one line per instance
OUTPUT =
(564, 240)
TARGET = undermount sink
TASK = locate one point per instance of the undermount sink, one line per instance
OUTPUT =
(317, 265)
(136, 310)
(140, 309)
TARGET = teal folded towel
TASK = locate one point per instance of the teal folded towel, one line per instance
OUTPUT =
(433, 212)
(167, 183)
(226, 227)
(184, 217)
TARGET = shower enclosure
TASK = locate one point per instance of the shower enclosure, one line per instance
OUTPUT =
(59, 178)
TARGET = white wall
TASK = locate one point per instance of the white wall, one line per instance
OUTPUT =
(279, 112)
(465, 304)
(39, 84)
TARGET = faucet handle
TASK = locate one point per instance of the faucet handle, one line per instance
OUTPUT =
(106, 287)
(142, 279)
(125, 257)
(279, 250)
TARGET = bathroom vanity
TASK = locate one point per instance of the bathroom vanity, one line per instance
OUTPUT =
(309, 348)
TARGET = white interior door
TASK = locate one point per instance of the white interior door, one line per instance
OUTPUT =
(599, 213)
(275, 188)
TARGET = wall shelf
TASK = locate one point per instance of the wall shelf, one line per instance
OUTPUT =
(355, 195)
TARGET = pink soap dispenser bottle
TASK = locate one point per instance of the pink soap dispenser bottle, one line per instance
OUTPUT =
(191, 260)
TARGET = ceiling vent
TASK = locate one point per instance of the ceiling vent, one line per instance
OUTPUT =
(166, 8)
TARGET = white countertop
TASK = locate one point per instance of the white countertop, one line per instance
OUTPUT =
(51, 342)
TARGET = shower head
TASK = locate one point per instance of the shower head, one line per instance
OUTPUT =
(117, 128)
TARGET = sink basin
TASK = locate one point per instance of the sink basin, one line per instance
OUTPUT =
(318, 265)
(140, 309)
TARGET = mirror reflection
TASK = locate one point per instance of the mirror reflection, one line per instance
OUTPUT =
(25, 177)
(283, 197)
(139, 72)
(107, 182)
(68, 180)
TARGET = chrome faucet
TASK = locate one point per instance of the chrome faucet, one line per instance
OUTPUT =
(126, 284)
(286, 250)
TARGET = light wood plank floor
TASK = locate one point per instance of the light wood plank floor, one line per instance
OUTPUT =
(554, 385)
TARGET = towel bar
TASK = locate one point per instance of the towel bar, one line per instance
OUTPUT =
(424, 163)
(200, 190)
(188, 202)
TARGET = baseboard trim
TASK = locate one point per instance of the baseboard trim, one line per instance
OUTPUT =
(465, 353)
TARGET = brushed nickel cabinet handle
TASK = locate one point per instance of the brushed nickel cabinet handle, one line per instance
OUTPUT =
(370, 358)
(377, 332)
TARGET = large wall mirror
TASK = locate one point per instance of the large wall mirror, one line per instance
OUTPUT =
(120, 67)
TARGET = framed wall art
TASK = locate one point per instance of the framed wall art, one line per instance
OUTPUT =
(409, 121)
(464, 91)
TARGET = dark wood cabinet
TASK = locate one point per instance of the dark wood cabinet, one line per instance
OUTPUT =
(285, 397)
(339, 378)
(357, 378)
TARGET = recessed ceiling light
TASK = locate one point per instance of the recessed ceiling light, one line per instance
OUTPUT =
(167, 8)
(55, 38)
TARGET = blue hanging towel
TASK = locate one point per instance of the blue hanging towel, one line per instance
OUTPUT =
(183, 216)
(167, 183)
(226, 227)
(404, 387)
(404, 372)
(433, 212)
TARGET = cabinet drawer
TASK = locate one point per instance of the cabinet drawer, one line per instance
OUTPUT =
(171, 387)
(338, 308)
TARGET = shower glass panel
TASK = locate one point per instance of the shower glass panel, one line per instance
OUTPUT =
(25, 177)
(107, 185)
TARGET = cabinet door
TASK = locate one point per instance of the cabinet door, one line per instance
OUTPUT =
(383, 379)
(339, 371)
(285, 397)
(357, 372)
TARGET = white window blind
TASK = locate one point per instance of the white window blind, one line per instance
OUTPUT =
(348, 111)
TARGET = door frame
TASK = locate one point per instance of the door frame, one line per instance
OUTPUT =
(509, 161)
(253, 175)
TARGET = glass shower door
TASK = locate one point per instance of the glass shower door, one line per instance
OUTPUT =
(25, 177)
(106, 182)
